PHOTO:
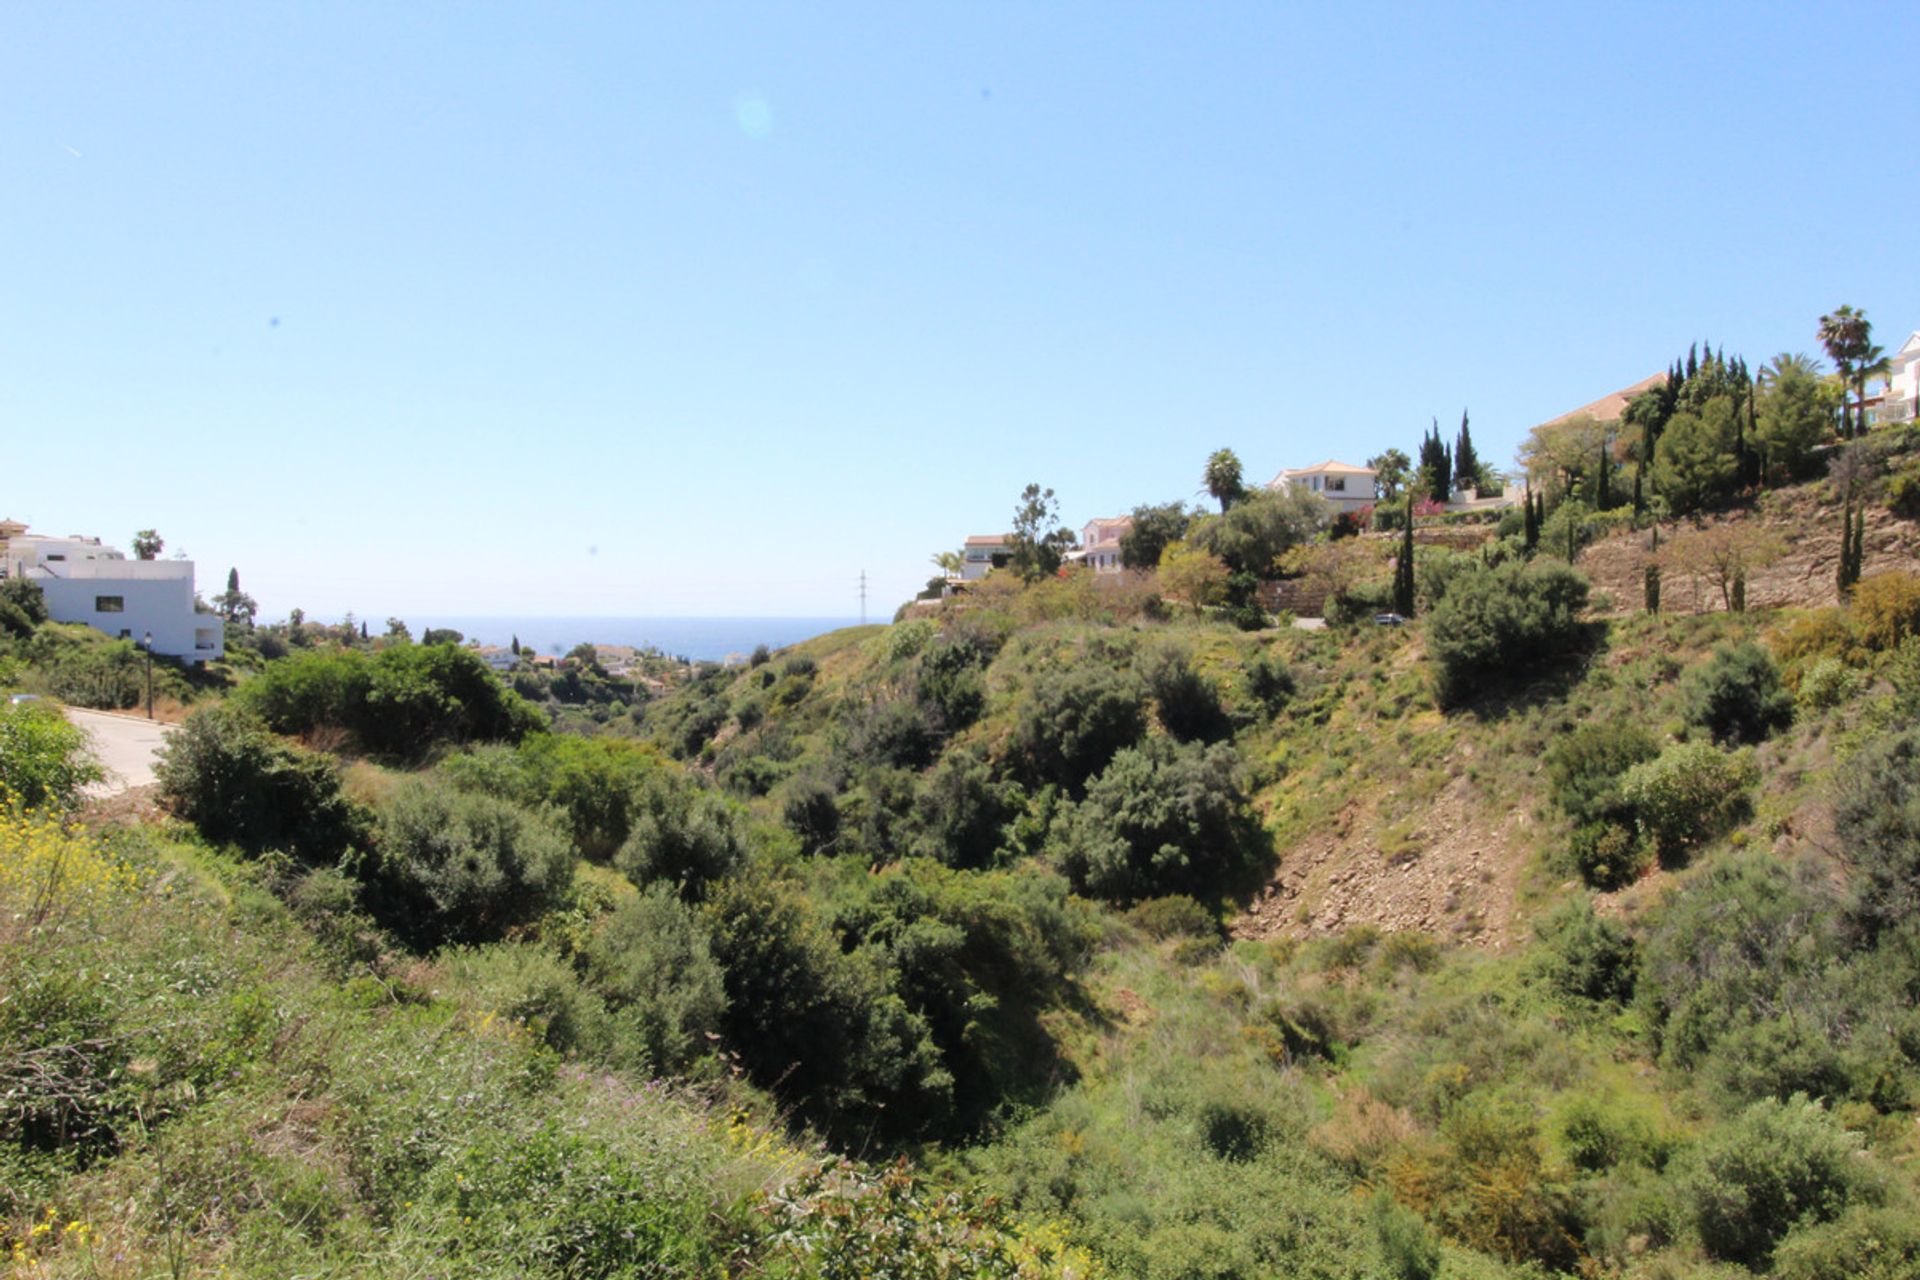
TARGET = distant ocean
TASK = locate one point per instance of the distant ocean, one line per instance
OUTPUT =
(711, 639)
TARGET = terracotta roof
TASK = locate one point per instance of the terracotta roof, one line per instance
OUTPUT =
(1609, 408)
(988, 539)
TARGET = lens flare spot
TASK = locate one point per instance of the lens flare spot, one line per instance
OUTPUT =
(753, 115)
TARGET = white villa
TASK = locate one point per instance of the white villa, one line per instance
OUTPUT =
(978, 554)
(1901, 401)
(146, 601)
(1344, 486)
(1100, 543)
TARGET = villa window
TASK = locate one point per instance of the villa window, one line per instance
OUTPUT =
(109, 604)
(1337, 484)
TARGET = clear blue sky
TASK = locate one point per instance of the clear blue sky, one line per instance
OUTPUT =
(702, 309)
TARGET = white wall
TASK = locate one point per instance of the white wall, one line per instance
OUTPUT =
(156, 596)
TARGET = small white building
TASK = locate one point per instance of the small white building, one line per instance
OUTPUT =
(982, 553)
(1901, 401)
(84, 580)
(1344, 486)
(1100, 543)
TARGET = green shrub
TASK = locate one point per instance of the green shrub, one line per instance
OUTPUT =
(44, 761)
(400, 701)
(1776, 1166)
(811, 809)
(1608, 854)
(685, 836)
(1585, 765)
(1583, 955)
(1188, 702)
(596, 784)
(1828, 683)
(1270, 682)
(1903, 492)
(1737, 696)
(26, 599)
(223, 772)
(1598, 1133)
(1501, 620)
(663, 988)
(961, 811)
(530, 985)
(1877, 817)
(1078, 719)
(455, 867)
(1160, 819)
(1861, 1244)
(1724, 953)
(1690, 793)
(1174, 916)
(1885, 610)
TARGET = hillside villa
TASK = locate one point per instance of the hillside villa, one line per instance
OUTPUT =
(1345, 486)
(981, 554)
(150, 602)
(1900, 402)
(1099, 546)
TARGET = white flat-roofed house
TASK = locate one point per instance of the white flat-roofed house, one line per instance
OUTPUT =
(1344, 486)
(981, 554)
(1900, 402)
(616, 659)
(498, 657)
(1100, 543)
(86, 581)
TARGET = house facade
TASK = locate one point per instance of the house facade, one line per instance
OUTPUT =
(84, 580)
(1901, 400)
(1100, 543)
(1344, 486)
(982, 553)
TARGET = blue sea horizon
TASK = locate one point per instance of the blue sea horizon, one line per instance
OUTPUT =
(702, 639)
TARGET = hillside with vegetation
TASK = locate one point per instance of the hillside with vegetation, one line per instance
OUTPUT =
(1076, 925)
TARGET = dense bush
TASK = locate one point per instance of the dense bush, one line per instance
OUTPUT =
(1585, 956)
(44, 760)
(683, 835)
(1725, 952)
(961, 811)
(1737, 696)
(817, 1025)
(23, 606)
(1500, 620)
(1585, 765)
(459, 867)
(1077, 719)
(1188, 702)
(1877, 817)
(1690, 793)
(1270, 682)
(664, 991)
(400, 701)
(1885, 610)
(596, 784)
(810, 807)
(223, 772)
(1776, 1166)
(1162, 818)
(1864, 1243)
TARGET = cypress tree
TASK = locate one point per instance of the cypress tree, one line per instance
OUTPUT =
(1853, 537)
(1403, 568)
(1466, 463)
(1530, 530)
(363, 630)
(1602, 485)
(1652, 575)
(516, 646)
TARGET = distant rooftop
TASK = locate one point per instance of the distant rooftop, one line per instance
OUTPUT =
(1610, 408)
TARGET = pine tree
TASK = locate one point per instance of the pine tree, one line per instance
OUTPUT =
(1466, 463)
(1403, 568)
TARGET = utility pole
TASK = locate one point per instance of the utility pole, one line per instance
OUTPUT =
(863, 597)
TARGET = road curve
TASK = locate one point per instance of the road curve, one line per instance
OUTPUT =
(124, 745)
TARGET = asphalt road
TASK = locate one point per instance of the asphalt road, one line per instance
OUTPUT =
(124, 745)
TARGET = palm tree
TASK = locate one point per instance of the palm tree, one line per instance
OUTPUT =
(949, 562)
(1222, 478)
(1848, 337)
(1788, 362)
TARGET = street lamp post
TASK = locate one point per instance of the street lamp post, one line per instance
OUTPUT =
(146, 643)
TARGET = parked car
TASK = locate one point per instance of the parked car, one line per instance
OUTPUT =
(1387, 620)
